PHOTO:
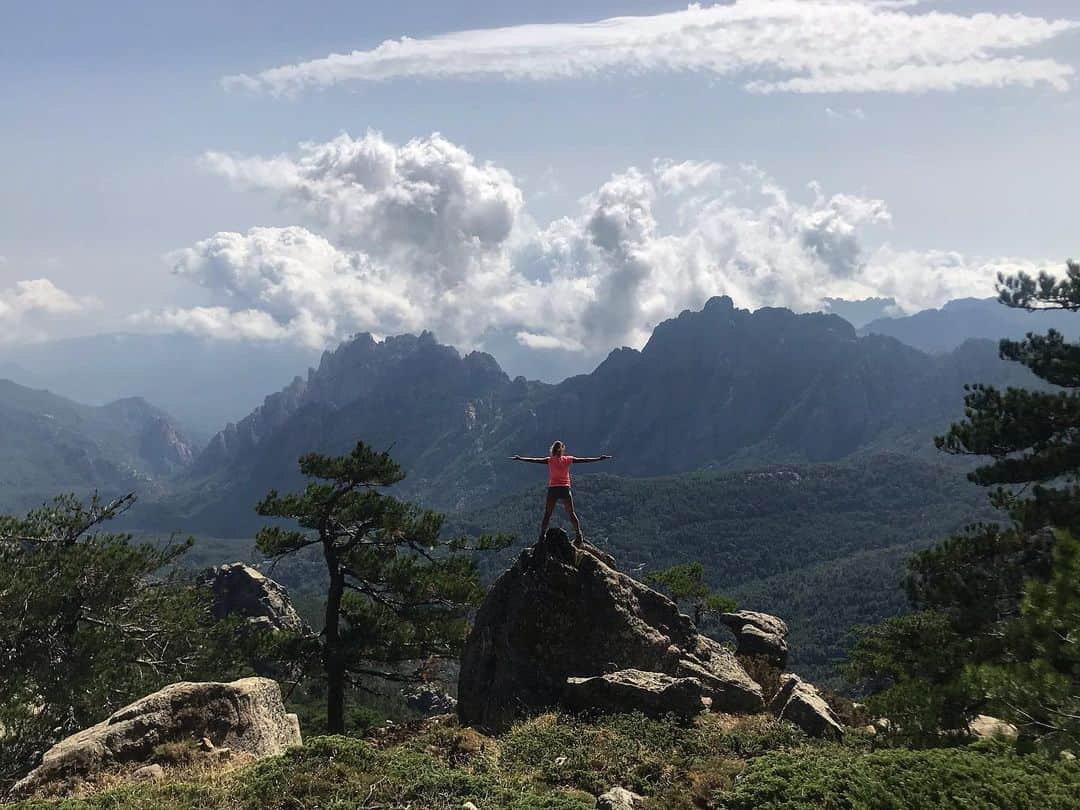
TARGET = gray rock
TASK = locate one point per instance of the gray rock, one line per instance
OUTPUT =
(758, 634)
(984, 727)
(563, 611)
(149, 773)
(630, 690)
(619, 799)
(800, 703)
(240, 590)
(428, 699)
(246, 715)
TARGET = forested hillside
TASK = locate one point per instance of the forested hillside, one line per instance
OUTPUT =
(821, 545)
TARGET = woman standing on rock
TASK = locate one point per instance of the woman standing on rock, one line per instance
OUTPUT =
(559, 482)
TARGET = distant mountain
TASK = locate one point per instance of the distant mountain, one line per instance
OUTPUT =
(861, 312)
(722, 387)
(50, 445)
(942, 330)
(203, 383)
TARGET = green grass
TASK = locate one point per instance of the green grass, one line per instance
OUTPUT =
(561, 763)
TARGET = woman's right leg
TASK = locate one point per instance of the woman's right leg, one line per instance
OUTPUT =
(549, 507)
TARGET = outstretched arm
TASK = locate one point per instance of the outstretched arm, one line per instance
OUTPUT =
(528, 459)
(589, 459)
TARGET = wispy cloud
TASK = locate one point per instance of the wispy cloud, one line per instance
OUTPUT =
(775, 46)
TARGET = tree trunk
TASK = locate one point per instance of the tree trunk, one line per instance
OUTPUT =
(333, 655)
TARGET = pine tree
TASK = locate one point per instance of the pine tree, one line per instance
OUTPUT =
(396, 590)
(1031, 437)
(972, 587)
(90, 621)
(1038, 681)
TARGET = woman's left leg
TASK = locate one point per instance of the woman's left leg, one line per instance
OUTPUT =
(570, 513)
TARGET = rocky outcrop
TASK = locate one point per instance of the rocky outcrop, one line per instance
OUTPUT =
(247, 716)
(428, 699)
(563, 611)
(240, 590)
(759, 634)
(801, 703)
(633, 690)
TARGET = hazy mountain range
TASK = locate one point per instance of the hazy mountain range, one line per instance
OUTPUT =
(722, 387)
(203, 383)
(49, 445)
(942, 330)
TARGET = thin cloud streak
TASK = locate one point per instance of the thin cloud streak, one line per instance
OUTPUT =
(777, 46)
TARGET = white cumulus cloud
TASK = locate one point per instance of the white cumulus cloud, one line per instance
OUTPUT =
(26, 305)
(795, 46)
(424, 236)
(427, 202)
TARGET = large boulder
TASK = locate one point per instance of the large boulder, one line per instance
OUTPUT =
(240, 590)
(561, 611)
(801, 703)
(633, 690)
(246, 716)
(986, 727)
(759, 634)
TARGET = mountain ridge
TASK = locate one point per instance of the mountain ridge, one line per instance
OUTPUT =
(718, 386)
(938, 331)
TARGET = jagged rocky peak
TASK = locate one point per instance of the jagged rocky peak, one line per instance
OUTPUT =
(358, 368)
(563, 613)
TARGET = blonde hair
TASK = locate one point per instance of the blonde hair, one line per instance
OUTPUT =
(555, 444)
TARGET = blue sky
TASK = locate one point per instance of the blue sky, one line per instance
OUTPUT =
(923, 193)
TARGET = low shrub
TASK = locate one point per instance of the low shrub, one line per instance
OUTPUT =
(895, 779)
